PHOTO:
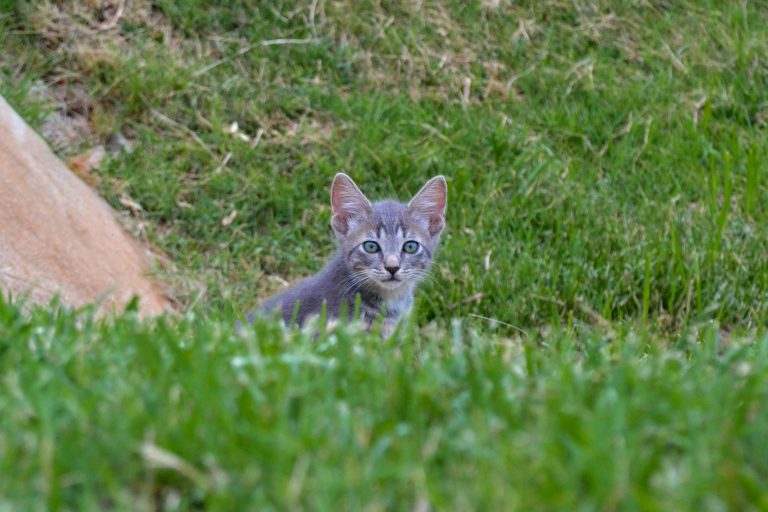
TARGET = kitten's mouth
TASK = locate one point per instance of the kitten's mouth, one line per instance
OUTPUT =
(391, 282)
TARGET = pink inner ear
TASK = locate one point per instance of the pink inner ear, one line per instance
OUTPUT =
(429, 203)
(347, 202)
(339, 223)
(436, 224)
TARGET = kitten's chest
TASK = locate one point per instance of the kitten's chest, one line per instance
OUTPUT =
(397, 308)
(389, 312)
(391, 308)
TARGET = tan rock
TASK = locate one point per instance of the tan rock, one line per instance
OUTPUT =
(57, 236)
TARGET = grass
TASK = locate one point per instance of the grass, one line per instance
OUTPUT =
(186, 414)
(607, 197)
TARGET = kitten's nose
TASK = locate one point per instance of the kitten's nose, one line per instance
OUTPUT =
(392, 264)
(392, 270)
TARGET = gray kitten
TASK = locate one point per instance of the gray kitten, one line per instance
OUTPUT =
(385, 249)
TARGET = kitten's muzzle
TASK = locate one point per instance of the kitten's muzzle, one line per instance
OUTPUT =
(392, 270)
(392, 264)
(391, 284)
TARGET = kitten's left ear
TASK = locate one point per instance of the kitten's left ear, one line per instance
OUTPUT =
(429, 204)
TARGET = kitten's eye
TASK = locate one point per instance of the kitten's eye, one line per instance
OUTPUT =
(411, 247)
(370, 246)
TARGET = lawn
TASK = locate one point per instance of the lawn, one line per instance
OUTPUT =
(594, 336)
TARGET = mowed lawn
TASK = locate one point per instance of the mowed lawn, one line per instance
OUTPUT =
(594, 335)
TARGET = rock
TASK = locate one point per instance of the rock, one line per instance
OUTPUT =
(57, 236)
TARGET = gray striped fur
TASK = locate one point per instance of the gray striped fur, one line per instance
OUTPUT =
(384, 280)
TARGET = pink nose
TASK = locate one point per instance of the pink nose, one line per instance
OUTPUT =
(392, 264)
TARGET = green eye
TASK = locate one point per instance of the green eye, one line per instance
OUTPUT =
(411, 247)
(370, 246)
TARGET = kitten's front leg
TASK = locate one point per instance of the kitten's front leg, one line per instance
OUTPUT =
(389, 324)
(388, 327)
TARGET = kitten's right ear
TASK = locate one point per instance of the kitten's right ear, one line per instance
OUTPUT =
(348, 204)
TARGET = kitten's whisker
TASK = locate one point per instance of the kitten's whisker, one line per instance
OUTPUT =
(352, 282)
(353, 279)
(348, 284)
(425, 276)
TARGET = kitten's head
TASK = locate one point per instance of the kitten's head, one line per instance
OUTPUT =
(387, 245)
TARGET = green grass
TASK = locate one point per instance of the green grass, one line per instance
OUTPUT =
(606, 159)
(591, 141)
(186, 414)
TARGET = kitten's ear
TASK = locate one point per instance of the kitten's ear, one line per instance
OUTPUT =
(348, 204)
(429, 204)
